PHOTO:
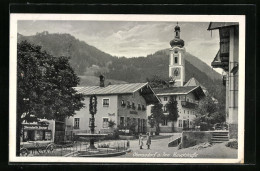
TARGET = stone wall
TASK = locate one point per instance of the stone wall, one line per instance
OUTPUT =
(191, 138)
(165, 129)
(168, 129)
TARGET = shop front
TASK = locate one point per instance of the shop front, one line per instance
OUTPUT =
(36, 132)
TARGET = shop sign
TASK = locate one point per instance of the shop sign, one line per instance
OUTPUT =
(35, 127)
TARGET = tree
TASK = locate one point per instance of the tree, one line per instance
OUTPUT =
(44, 87)
(158, 82)
(156, 117)
(111, 124)
(209, 112)
(172, 108)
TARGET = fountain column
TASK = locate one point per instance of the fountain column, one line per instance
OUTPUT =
(93, 111)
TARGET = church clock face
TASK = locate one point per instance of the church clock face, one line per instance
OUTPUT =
(176, 73)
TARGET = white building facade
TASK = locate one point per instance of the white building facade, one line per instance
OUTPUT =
(121, 104)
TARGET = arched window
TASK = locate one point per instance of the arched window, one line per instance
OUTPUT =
(175, 59)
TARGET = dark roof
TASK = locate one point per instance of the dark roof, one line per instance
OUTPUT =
(197, 90)
(144, 88)
(173, 90)
(217, 25)
(220, 63)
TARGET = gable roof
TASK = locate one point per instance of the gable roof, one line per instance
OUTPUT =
(111, 89)
(145, 90)
(183, 90)
(193, 82)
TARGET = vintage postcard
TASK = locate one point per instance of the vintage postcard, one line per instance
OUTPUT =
(127, 88)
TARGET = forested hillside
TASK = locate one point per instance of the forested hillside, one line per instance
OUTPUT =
(89, 61)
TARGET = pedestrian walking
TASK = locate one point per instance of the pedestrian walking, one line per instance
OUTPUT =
(141, 141)
(148, 141)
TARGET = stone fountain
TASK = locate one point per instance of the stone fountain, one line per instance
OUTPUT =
(92, 137)
(91, 150)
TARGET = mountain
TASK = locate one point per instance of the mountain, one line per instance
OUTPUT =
(82, 55)
(89, 62)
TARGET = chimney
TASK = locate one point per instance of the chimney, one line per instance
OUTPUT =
(102, 81)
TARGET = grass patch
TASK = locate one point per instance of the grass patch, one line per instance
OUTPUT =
(232, 144)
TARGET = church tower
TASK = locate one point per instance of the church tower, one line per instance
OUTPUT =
(177, 59)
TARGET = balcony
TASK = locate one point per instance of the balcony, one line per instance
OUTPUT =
(187, 104)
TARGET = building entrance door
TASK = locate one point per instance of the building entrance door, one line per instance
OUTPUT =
(185, 123)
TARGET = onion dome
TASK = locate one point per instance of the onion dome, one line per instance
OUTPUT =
(177, 28)
(177, 41)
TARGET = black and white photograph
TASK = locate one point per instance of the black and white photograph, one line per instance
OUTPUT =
(126, 88)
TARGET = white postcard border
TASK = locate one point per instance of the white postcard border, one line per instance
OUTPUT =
(122, 17)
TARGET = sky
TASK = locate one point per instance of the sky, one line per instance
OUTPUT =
(132, 38)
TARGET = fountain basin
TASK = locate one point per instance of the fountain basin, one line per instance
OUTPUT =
(88, 136)
(103, 153)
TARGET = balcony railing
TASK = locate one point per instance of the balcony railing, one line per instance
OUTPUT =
(187, 104)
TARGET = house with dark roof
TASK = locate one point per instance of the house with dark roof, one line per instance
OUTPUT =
(187, 98)
(120, 103)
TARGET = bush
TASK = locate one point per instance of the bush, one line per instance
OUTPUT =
(232, 144)
(112, 136)
(204, 126)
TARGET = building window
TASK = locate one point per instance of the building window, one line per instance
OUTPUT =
(184, 111)
(76, 123)
(188, 100)
(122, 121)
(188, 112)
(133, 105)
(105, 102)
(179, 97)
(164, 109)
(123, 103)
(139, 107)
(180, 123)
(128, 104)
(165, 122)
(143, 108)
(105, 123)
(128, 121)
(175, 59)
(165, 98)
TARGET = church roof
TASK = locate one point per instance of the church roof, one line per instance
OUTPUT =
(144, 88)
